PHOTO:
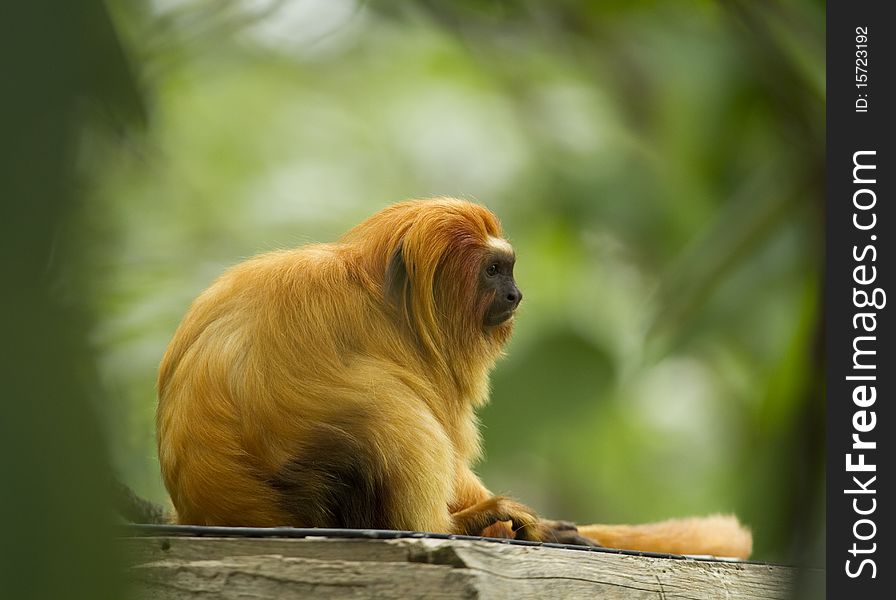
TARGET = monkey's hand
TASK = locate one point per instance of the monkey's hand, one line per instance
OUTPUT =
(497, 513)
(494, 513)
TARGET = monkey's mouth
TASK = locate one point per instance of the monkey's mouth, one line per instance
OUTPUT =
(495, 319)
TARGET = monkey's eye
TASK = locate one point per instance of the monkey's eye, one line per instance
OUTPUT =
(492, 270)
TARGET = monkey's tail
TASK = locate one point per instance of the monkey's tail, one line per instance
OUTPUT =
(715, 535)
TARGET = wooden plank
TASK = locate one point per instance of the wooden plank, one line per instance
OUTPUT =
(149, 549)
(167, 567)
(274, 576)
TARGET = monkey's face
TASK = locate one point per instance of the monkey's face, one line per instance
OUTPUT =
(449, 275)
(497, 283)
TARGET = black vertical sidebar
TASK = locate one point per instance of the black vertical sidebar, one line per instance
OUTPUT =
(860, 266)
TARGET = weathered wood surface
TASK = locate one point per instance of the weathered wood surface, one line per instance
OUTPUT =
(261, 568)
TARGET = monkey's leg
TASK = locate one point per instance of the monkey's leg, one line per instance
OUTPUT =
(410, 455)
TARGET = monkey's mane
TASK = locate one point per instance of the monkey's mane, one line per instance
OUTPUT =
(426, 256)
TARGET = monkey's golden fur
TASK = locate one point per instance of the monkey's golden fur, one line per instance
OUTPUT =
(335, 385)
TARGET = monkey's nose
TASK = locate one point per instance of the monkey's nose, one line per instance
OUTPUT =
(514, 297)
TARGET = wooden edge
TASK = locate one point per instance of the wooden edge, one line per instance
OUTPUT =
(186, 567)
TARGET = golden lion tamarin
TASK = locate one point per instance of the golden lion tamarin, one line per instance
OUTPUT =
(335, 385)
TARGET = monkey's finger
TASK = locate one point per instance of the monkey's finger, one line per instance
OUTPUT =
(559, 525)
(526, 528)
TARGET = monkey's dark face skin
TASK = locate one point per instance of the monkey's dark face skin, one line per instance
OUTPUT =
(497, 277)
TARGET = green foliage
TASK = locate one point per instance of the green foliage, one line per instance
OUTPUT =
(658, 167)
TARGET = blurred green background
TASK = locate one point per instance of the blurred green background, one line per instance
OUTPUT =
(659, 167)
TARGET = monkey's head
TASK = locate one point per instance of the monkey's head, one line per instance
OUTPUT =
(448, 272)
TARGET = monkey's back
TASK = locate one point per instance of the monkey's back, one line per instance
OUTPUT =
(264, 369)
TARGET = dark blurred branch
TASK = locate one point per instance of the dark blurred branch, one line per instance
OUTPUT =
(136, 509)
(62, 62)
